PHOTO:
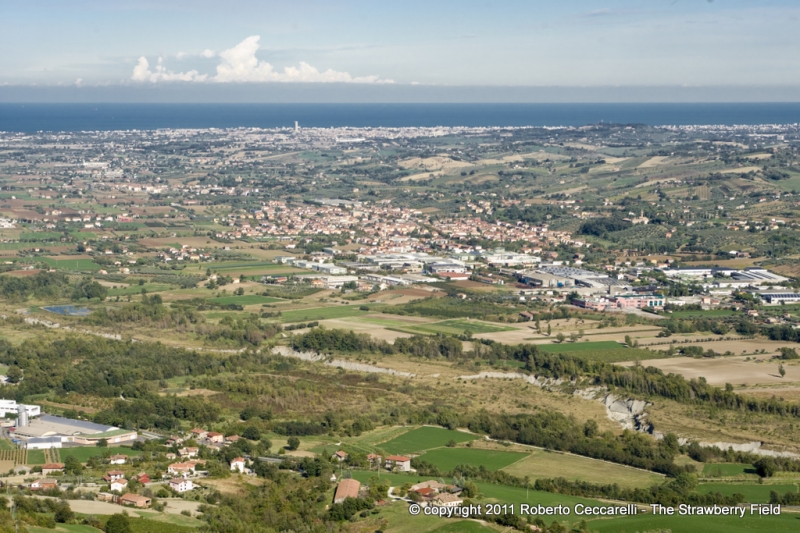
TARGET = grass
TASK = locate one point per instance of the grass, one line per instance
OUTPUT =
(457, 327)
(137, 289)
(727, 469)
(83, 454)
(606, 351)
(786, 522)
(71, 528)
(517, 495)
(36, 457)
(544, 464)
(462, 526)
(752, 493)
(709, 313)
(424, 438)
(146, 525)
(322, 313)
(251, 299)
(70, 264)
(446, 459)
(6, 444)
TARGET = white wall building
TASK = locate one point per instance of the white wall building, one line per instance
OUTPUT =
(11, 406)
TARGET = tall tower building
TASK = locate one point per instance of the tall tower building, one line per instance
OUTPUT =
(22, 416)
(296, 126)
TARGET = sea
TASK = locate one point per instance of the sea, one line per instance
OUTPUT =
(29, 118)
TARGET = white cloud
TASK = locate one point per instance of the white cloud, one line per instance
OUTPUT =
(142, 73)
(240, 65)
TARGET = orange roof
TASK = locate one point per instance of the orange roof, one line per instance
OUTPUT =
(398, 458)
(53, 466)
(134, 498)
(348, 488)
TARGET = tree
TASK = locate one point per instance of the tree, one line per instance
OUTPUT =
(102, 443)
(766, 467)
(266, 443)
(72, 465)
(14, 374)
(781, 370)
(470, 490)
(293, 443)
(64, 514)
(118, 523)
(251, 433)
(560, 337)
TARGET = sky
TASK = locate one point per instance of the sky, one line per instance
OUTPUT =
(400, 50)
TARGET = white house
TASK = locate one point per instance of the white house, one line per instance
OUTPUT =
(181, 485)
(118, 459)
(118, 485)
(238, 464)
(399, 462)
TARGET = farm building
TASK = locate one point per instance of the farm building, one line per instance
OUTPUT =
(348, 488)
(134, 500)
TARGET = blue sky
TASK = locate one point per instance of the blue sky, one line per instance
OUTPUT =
(570, 43)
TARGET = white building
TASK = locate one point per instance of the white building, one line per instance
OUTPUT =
(43, 443)
(11, 406)
(181, 485)
(238, 464)
(399, 462)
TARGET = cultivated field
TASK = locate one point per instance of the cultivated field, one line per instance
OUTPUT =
(83, 453)
(446, 459)
(546, 464)
(736, 370)
(251, 299)
(424, 438)
(607, 351)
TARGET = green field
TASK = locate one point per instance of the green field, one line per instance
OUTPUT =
(36, 457)
(727, 469)
(250, 299)
(446, 459)
(503, 494)
(6, 444)
(463, 526)
(753, 493)
(786, 522)
(82, 454)
(709, 313)
(457, 327)
(37, 236)
(322, 313)
(606, 351)
(543, 464)
(61, 528)
(70, 264)
(424, 438)
(137, 289)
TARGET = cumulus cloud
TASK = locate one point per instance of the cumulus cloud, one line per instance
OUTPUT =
(240, 65)
(142, 72)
